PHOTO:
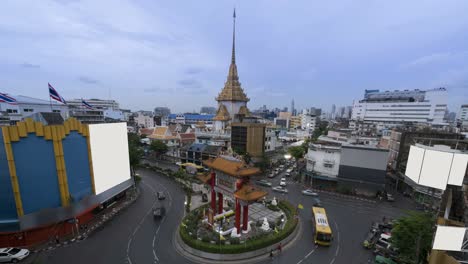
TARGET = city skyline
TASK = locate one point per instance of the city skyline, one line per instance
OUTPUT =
(165, 54)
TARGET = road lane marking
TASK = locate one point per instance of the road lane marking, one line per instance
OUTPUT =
(155, 256)
(154, 238)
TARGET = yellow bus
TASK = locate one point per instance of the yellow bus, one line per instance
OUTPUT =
(323, 233)
(192, 168)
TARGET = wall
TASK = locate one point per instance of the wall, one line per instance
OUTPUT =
(363, 168)
(321, 155)
(37, 173)
(7, 199)
(75, 150)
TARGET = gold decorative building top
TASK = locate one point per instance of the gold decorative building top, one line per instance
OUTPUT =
(232, 90)
(243, 110)
(222, 114)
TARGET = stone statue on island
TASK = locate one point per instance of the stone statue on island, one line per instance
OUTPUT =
(265, 226)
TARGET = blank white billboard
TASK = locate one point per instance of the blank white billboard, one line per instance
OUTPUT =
(414, 164)
(458, 169)
(449, 238)
(435, 169)
(109, 151)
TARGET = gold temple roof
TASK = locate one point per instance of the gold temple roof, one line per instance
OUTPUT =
(222, 114)
(243, 110)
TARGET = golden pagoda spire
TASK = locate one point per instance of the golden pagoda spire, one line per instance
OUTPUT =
(233, 58)
(232, 88)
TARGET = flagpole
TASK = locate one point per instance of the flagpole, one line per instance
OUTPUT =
(50, 101)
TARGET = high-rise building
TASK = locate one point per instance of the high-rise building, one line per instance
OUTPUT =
(292, 108)
(232, 101)
(462, 116)
(394, 108)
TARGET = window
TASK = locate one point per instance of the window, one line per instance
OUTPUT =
(28, 110)
(10, 111)
(55, 111)
(327, 165)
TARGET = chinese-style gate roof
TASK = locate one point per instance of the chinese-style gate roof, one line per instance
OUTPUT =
(231, 166)
(249, 193)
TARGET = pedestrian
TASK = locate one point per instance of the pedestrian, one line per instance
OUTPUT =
(280, 247)
(57, 240)
(271, 253)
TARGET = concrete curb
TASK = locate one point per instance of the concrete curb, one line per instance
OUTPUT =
(255, 256)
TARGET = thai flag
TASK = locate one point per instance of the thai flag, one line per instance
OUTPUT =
(5, 98)
(86, 104)
(55, 95)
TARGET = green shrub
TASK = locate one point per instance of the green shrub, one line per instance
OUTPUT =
(273, 208)
(344, 190)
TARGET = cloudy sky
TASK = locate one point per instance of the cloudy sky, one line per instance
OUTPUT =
(177, 53)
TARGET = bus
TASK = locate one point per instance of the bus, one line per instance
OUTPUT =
(323, 233)
(192, 168)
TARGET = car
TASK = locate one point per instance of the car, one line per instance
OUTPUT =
(283, 182)
(280, 189)
(264, 183)
(13, 255)
(161, 196)
(271, 175)
(159, 212)
(390, 198)
(316, 202)
(287, 174)
(309, 192)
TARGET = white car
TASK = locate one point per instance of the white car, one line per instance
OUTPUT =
(309, 192)
(280, 189)
(283, 182)
(13, 255)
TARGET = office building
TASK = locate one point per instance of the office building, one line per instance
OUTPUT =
(462, 116)
(248, 137)
(190, 119)
(362, 168)
(162, 111)
(395, 108)
(26, 106)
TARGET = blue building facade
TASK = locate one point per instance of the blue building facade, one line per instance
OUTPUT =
(42, 168)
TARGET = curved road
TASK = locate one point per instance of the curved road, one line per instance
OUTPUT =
(134, 237)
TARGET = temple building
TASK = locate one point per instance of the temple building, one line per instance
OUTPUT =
(230, 180)
(232, 101)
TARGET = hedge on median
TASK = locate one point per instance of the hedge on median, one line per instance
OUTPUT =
(250, 244)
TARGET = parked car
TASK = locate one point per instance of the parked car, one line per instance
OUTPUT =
(271, 175)
(280, 189)
(159, 212)
(283, 182)
(161, 196)
(287, 174)
(390, 198)
(264, 183)
(309, 192)
(13, 255)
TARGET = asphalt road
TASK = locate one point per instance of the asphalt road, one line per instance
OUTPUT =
(351, 220)
(135, 237)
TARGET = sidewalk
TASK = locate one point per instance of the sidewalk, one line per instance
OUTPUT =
(87, 229)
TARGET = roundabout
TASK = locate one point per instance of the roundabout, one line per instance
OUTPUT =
(133, 236)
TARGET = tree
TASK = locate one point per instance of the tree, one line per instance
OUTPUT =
(412, 235)
(158, 147)
(133, 139)
(297, 152)
(264, 163)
